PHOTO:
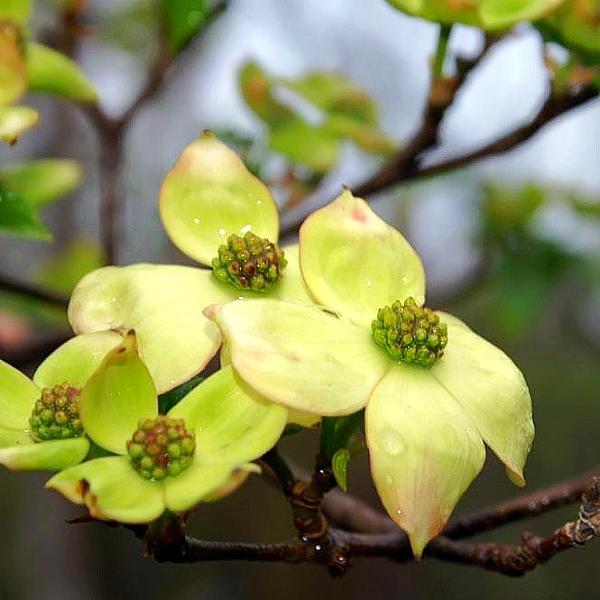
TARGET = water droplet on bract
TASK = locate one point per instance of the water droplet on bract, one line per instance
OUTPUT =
(391, 442)
(196, 221)
(398, 511)
(369, 283)
(222, 232)
(404, 279)
(246, 229)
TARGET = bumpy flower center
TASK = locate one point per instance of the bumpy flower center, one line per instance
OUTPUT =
(410, 333)
(161, 447)
(55, 415)
(249, 263)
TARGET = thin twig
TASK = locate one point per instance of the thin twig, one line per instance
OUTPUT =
(533, 550)
(10, 285)
(405, 167)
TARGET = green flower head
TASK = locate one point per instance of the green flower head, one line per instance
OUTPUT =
(434, 391)
(40, 424)
(198, 452)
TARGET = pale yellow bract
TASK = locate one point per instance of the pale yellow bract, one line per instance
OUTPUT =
(425, 428)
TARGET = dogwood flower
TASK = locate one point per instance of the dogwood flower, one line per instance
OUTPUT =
(164, 462)
(434, 391)
(40, 424)
(219, 214)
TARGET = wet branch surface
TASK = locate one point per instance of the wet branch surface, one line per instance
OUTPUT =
(334, 527)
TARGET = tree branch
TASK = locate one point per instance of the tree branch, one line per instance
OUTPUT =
(110, 134)
(512, 560)
(10, 285)
(516, 560)
(407, 165)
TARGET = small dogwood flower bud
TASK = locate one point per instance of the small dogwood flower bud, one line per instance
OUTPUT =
(410, 333)
(249, 263)
(55, 416)
(161, 447)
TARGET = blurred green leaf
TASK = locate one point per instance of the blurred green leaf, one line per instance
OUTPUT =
(347, 113)
(334, 94)
(15, 120)
(257, 90)
(61, 273)
(339, 464)
(586, 208)
(15, 10)
(314, 147)
(365, 136)
(576, 25)
(184, 18)
(524, 282)
(13, 77)
(169, 399)
(338, 433)
(487, 14)
(51, 72)
(18, 218)
(41, 181)
(508, 208)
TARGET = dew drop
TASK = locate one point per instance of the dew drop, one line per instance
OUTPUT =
(391, 442)
(222, 232)
(398, 511)
(246, 229)
(196, 220)
(404, 279)
(369, 283)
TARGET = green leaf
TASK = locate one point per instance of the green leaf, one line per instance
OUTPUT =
(17, 218)
(488, 14)
(339, 463)
(257, 90)
(334, 94)
(42, 181)
(15, 120)
(364, 135)
(62, 273)
(508, 208)
(315, 147)
(117, 397)
(576, 25)
(184, 19)
(169, 399)
(51, 72)
(15, 10)
(337, 433)
(13, 78)
(523, 284)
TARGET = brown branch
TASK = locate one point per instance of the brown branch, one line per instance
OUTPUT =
(516, 560)
(512, 560)
(404, 168)
(110, 134)
(524, 507)
(10, 285)
(304, 495)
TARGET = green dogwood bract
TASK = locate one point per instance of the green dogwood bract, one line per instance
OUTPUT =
(425, 427)
(70, 365)
(206, 197)
(226, 425)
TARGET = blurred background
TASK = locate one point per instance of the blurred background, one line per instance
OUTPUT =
(510, 244)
